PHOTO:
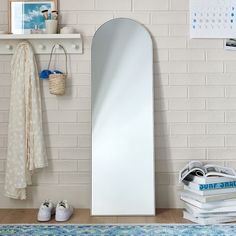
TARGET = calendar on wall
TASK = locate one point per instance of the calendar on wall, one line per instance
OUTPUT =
(213, 18)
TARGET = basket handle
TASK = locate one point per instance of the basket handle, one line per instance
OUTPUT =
(54, 46)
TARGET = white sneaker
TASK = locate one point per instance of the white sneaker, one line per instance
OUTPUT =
(46, 210)
(63, 211)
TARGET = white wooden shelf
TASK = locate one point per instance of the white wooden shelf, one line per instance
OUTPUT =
(42, 43)
(40, 36)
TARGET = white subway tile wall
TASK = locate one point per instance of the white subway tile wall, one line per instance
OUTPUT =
(195, 102)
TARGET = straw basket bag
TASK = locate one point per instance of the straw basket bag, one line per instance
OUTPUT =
(57, 82)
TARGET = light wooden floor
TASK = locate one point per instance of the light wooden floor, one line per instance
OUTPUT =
(82, 216)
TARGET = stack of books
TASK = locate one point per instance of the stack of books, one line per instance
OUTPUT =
(209, 193)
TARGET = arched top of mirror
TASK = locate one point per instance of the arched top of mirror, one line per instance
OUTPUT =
(130, 25)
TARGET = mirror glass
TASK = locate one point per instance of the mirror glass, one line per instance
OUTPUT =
(122, 120)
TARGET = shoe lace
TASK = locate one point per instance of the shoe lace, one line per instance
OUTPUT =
(63, 204)
(46, 203)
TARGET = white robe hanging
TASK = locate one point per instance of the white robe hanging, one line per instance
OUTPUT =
(26, 148)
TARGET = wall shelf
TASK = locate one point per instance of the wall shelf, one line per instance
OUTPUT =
(42, 43)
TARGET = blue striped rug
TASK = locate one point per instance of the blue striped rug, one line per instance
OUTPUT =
(119, 230)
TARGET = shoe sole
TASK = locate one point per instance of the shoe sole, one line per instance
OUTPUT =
(61, 219)
(43, 219)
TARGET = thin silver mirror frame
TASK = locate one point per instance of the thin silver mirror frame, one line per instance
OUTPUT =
(118, 185)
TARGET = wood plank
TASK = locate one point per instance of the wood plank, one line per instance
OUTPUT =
(82, 216)
(131, 219)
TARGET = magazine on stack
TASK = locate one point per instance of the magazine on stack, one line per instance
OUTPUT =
(197, 168)
(208, 180)
(209, 193)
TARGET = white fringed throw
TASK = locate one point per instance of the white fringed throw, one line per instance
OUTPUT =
(26, 148)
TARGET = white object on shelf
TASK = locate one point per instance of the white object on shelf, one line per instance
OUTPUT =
(51, 26)
(212, 18)
(42, 43)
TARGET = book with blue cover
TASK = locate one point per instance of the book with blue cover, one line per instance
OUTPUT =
(221, 185)
(208, 192)
(212, 186)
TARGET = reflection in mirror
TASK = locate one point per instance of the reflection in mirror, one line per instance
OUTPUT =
(122, 120)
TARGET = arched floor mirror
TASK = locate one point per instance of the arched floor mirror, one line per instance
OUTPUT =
(122, 120)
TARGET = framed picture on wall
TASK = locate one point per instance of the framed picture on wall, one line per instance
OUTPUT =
(26, 15)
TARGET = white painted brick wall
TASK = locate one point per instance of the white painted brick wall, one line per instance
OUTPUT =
(150, 5)
(195, 101)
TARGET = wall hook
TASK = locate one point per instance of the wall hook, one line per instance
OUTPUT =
(41, 46)
(9, 47)
(74, 46)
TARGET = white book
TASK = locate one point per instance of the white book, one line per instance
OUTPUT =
(210, 192)
(198, 211)
(210, 198)
(210, 220)
(210, 180)
(227, 214)
(209, 214)
(210, 205)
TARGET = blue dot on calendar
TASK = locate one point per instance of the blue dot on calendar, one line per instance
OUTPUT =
(231, 21)
(232, 14)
